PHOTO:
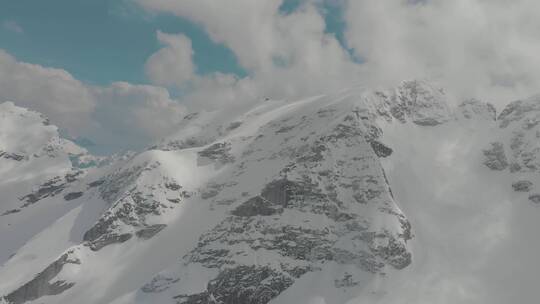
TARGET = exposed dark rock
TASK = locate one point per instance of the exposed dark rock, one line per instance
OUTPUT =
(12, 156)
(241, 285)
(189, 142)
(115, 184)
(11, 211)
(47, 189)
(41, 285)
(218, 152)
(73, 195)
(104, 232)
(420, 103)
(211, 190)
(380, 149)
(394, 253)
(308, 215)
(50, 188)
(285, 129)
(107, 239)
(234, 125)
(474, 108)
(517, 110)
(148, 232)
(279, 192)
(173, 186)
(257, 206)
(346, 281)
(428, 121)
(96, 183)
(192, 116)
(158, 284)
(514, 167)
(71, 177)
(535, 198)
(496, 157)
(128, 215)
(522, 186)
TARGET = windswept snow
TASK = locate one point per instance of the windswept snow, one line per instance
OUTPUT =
(363, 196)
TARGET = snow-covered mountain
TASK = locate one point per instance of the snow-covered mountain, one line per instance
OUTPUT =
(361, 196)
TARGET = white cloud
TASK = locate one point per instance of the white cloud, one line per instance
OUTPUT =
(245, 26)
(475, 48)
(53, 92)
(13, 26)
(118, 116)
(485, 49)
(134, 115)
(286, 56)
(171, 65)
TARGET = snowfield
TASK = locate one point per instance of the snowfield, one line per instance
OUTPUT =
(361, 196)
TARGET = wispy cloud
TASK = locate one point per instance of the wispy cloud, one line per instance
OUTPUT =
(12, 26)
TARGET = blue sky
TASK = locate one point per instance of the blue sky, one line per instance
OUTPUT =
(101, 41)
(104, 41)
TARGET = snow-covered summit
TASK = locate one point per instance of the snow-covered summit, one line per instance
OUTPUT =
(336, 198)
(27, 134)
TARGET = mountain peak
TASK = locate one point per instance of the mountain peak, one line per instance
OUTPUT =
(28, 134)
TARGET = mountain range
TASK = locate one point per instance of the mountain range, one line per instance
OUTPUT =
(361, 196)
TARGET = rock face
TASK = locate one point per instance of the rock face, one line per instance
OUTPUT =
(244, 209)
(133, 204)
(496, 157)
(316, 207)
(476, 109)
(518, 150)
(41, 285)
(535, 198)
(413, 101)
(522, 186)
(521, 121)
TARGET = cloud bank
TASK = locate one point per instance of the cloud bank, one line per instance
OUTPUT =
(473, 48)
(118, 116)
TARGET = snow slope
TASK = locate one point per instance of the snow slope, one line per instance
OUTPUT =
(362, 196)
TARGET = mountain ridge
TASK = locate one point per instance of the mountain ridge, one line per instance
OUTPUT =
(269, 199)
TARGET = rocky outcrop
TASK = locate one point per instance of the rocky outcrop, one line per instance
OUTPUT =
(241, 285)
(518, 150)
(42, 284)
(421, 102)
(517, 110)
(133, 203)
(535, 198)
(380, 149)
(11, 156)
(472, 109)
(49, 189)
(414, 101)
(317, 208)
(522, 186)
(496, 157)
(218, 152)
(73, 195)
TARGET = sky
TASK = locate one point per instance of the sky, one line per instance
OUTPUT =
(123, 73)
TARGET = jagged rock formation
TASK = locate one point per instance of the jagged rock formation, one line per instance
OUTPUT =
(496, 157)
(41, 284)
(522, 186)
(474, 109)
(244, 209)
(518, 151)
